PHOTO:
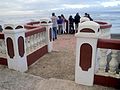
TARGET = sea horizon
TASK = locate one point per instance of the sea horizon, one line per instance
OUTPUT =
(112, 17)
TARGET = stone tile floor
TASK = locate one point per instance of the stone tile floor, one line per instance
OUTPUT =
(48, 73)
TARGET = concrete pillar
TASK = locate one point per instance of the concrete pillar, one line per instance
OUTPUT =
(46, 22)
(16, 48)
(86, 50)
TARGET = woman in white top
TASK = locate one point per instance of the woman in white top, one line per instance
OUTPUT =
(63, 24)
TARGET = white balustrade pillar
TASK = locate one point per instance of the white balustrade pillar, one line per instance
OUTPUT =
(103, 60)
(113, 63)
(46, 22)
(16, 49)
(86, 50)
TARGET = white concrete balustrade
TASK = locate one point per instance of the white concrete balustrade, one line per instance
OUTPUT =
(103, 60)
(104, 57)
(113, 64)
(20, 43)
(105, 33)
(2, 48)
(108, 67)
(35, 42)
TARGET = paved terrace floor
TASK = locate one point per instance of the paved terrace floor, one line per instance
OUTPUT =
(54, 71)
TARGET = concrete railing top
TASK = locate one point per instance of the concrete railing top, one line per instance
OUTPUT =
(34, 31)
(89, 27)
(45, 20)
(109, 44)
(104, 25)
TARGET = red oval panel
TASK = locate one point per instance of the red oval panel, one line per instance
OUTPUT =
(21, 46)
(50, 34)
(88, 30)
(85, 56)
(10, 47)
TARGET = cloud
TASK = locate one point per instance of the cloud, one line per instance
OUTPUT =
(32, 6)
(111, 3)
(76, 6)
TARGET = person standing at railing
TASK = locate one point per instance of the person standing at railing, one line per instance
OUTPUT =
(54, 25)
(64, 23)
(60, 25)
(1, 28)
(71, 24)
(90, 17)
(86, 17)
(77, 20)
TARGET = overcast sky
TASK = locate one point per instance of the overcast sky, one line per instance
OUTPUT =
(8, 7)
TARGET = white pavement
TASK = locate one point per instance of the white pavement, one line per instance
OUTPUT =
(13, 80)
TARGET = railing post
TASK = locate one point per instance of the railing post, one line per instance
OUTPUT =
(86, 50)
(16, 49)
(46, 22)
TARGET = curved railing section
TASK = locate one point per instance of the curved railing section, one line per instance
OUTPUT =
(36, 44)
(35, 38)
(104, 29)
(38, 39)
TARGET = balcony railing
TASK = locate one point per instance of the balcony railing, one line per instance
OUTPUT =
(100, 53)
(35, 39)
(22, 46)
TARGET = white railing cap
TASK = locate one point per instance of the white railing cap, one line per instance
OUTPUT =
(47, 20)
(83, 19)
(13, 26)
(89, 24)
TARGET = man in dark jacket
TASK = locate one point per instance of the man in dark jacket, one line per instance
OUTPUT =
(77, 20)
(71, 24)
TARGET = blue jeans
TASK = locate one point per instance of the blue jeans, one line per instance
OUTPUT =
(54, 32)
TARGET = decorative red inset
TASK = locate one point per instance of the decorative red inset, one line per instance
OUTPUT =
(88, 30)
(85, 56)
(50, 34)
(21, 46)
(10, 47)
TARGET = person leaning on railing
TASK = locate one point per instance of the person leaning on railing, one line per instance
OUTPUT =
(1, 28)
(76, 20)
(86, 17)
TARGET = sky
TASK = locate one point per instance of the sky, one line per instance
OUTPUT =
(18, 7)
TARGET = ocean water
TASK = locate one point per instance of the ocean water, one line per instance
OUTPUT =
(112, 17)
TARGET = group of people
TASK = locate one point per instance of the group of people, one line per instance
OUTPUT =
(76, 20)
(60, 23)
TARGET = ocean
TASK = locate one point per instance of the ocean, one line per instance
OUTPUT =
(112, 17)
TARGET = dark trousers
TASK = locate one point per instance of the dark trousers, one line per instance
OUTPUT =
(71, 29)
